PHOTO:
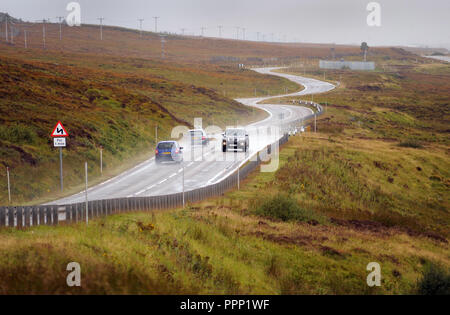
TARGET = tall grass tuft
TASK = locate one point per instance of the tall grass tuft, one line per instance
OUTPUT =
(282, 207)
(410, 144)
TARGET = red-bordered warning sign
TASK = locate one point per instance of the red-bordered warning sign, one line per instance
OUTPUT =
(59, 131)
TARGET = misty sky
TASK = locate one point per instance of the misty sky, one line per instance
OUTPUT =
(403, 22)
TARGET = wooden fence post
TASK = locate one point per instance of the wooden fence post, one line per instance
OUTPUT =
(34, 216)
(48, 215)
(55, 216)
(11, 216)
(27, 216)
(2, 216)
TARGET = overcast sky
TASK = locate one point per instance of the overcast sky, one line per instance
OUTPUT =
(403, 22)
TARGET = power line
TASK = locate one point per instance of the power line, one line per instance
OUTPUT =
(101, 27)
(156, 23)
(202, 28)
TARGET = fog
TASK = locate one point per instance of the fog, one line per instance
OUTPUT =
(403, 22)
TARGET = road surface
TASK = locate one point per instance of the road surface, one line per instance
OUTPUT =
(203, 166)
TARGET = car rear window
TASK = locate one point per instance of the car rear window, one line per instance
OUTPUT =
(196, 134)
(165, 145)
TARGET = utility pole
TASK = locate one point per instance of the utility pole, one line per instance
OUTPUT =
(6, 27)
(257, 36)
(237, 32)
(25, 38)
(156, 23)
(220, 30)
(202, 28)
(43, 32)
(60, 18)
(156, 135)
(163, 41)
(9, 185)
(86, 192)
(243, 33)
(12, 35)
(272, 36)
(101, 27)
(182, 31)
(140, 26)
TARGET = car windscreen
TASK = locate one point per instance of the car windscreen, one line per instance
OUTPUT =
(165, 145)
(235, 133)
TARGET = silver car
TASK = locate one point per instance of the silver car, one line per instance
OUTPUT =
(235, 139)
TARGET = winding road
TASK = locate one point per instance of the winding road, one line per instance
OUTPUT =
(203, 166)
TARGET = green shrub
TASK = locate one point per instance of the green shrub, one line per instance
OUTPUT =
(282, 207)
(435, 280)
(410, 144)
(18, 134)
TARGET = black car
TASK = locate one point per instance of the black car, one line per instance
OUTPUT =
(235, 139)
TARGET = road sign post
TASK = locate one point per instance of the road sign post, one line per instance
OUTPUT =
(61, 169)
(59, 135)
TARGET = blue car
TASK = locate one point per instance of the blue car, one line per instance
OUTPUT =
(168, 151)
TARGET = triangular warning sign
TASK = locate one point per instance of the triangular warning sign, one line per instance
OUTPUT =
(59, 131)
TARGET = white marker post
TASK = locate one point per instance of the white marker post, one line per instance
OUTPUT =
(9, 185)
(183, 183)
(101, 160)
(59, 135)
(315, 122)
(238, 178)
(86, 192)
